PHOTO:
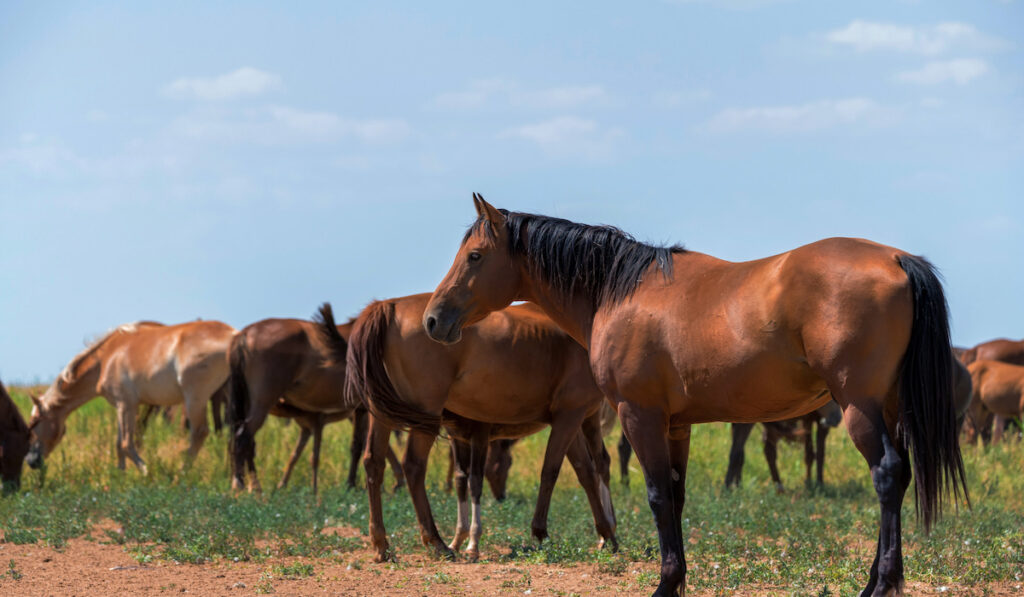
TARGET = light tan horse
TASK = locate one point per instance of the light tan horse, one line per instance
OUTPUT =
(677, 337)
(998, 395)
(137, 363)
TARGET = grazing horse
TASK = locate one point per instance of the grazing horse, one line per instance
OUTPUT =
(1007, 351)
(678, 337)
(14, 440)
(516, 373)
(137, 363)
(825, 418)
(281, 367)
(998, 394)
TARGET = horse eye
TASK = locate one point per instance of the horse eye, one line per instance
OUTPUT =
(474, 256)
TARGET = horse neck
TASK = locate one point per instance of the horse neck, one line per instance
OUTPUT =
(573, 314)
(62, 399)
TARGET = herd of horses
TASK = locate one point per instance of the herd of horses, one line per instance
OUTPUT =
(661, 337)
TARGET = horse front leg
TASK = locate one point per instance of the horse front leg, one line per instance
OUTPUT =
(417, 451)
(460, 455)
(198, 428)
(318, 435)
(647, 429)
(126, 411)
(591, 430)
(771, 453)
(819, 454)
(296, 453)
(478, 444)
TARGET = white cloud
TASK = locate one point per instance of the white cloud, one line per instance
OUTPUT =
(960, 71)
(244, 82)
(928, 40)
(800, 118)
(567, 136)
(276, 125)
(509, 93)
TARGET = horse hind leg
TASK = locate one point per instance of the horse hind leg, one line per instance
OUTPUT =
(604, 517)
(625, 453)
(890, 474)
(771, 454)
(740, 433)
(647, 431)
(199, 429)
(360, 426)
(564, 428)
(417, 451)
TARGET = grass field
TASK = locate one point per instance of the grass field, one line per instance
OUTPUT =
(817, 542)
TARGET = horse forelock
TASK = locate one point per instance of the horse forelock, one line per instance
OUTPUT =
(600, 262)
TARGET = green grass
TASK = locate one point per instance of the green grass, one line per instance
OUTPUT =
(808, 541)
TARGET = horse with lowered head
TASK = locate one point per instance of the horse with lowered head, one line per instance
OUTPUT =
(137, 363)
(677, 337)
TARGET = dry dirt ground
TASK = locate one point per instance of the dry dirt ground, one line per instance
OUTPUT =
(91, 568)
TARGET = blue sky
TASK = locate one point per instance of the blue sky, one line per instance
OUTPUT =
(238, 161)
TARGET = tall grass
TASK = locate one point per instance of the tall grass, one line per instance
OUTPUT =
(806, 539)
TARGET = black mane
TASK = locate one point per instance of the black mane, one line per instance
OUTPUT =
(601, 262)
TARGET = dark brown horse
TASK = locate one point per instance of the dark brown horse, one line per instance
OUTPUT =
(281, 367)
(678, 337)
(516, 374)
(14, 440)
(797, 429)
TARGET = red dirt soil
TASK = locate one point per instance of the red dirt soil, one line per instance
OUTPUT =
(93, 568)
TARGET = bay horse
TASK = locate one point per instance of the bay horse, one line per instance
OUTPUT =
(281, 367)
(14, 440)
(137, 363)
(1001, 349)
(998, 394)
(800, 428)
(516, 373)
(678, 337)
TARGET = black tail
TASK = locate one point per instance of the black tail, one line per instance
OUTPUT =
(366, 378)
(241, 444)
(927, 423)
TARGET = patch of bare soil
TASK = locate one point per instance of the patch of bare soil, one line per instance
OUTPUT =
(90, 568)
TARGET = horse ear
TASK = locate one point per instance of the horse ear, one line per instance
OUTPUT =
(35, 400)
(488, 212)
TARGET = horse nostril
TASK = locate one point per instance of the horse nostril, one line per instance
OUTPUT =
(431, 323)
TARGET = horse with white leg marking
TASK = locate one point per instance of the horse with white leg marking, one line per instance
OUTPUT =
(678, 337)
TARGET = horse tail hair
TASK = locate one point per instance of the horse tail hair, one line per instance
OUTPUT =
(927, 416)
(367, 380)
(242, 445)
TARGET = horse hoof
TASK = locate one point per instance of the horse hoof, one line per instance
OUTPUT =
(611, 544)
(473, 555)
(540, 534)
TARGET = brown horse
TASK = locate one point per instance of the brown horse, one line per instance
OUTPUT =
(678, 337)
(825, 418)
(998, 395)
(516, 374)
(14, 440)
(1007, 351)
(281, 367)
(138, 363)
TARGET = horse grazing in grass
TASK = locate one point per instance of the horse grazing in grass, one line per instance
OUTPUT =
(515, 374)
(825, 418)
(998, 397)
(678, 337)
(1007, 351)
(137, 363)
(14, 440)
(281, 367)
